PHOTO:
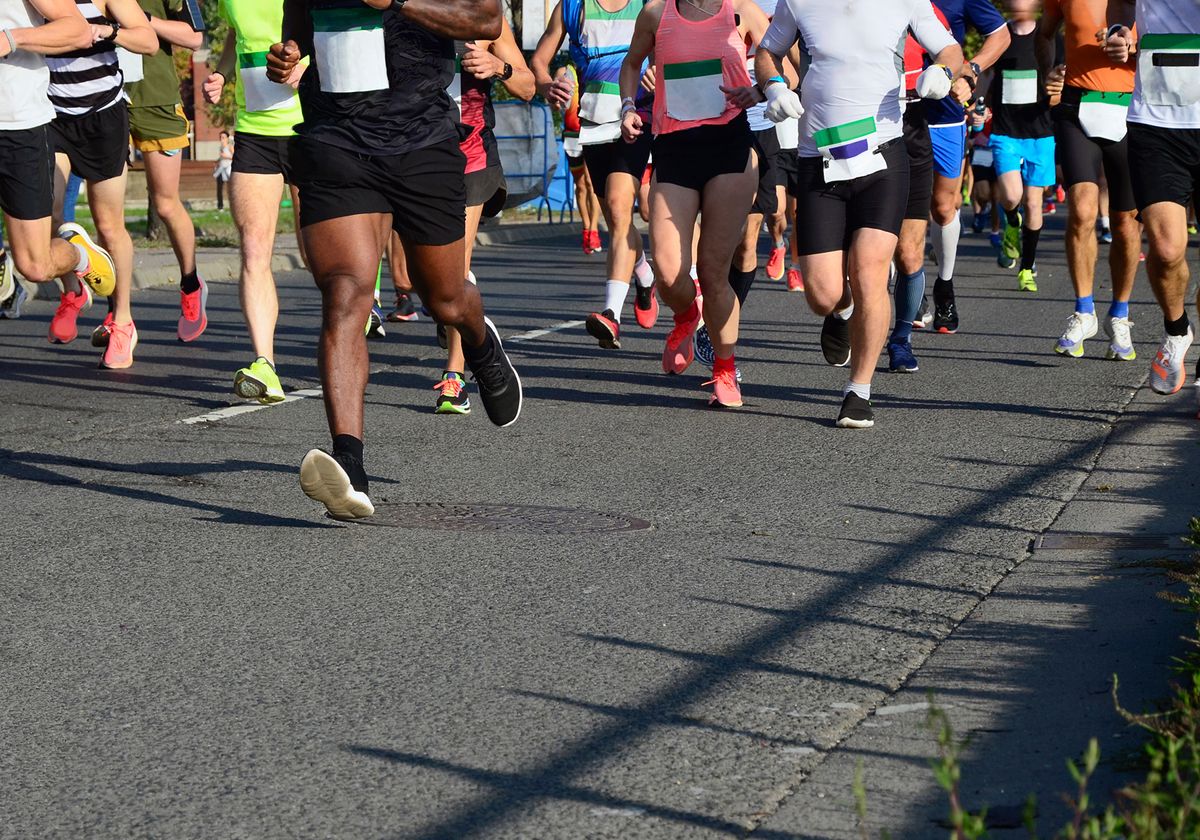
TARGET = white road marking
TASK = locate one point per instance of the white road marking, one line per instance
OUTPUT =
(248, 408)
(530, 336)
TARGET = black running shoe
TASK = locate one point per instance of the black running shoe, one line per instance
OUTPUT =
(403, 310)
(499, 385)
(835, 341)
(945, 311)
(856, 413)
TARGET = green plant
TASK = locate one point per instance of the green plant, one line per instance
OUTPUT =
(947, 770)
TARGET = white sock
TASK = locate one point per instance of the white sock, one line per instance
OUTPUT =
(1104, 222)
(859, 388)
(615, 292)
(695, 275)
(844, 314)
(945, 246)
(471, 278)
(643, 273)
(82, 265)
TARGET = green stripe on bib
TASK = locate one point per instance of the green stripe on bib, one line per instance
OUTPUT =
(1020, 74)
(1169, 42)
(257, 59)
(693, 69)
(1122, 99)
(610, 88)
(346, 20)
(847, 133)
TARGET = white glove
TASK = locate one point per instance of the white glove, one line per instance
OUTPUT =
(783, 104)
(934, 83)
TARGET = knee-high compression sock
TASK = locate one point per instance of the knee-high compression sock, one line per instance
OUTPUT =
(1029, 246)
(945, 246)
(910, 290)
(741, 281)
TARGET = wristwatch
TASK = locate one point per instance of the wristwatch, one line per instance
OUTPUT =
(116, 27)
(398, 5)
(506, 73)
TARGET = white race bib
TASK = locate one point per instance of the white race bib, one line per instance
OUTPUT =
(1169, 69)
(983, 157)
(350, 51)
(571, 144)
(693, 90)
(260, 93)
(849, 150)
(1104, 115)
(131, 65)
(1019, 87)
(601, 103)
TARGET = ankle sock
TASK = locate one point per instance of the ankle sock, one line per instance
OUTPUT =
(741, 281)
(1029, 247)
(910, 291)
(863, 390)
(1179, 327)
(1118, 309)
(643, 273)
(83, 263)
(724, 365)
(350, 449)
(845, 314)
(1085, 305)
(479, 356)
(190, 283)
(615, 293)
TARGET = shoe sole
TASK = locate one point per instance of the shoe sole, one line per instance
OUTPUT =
(848, 423)
(100, 337)
(250, 388)
(598, 330)
(516, 376)
(454, 409)
(1114, 356)
(323, 480)
(904, 370)
(946, 331)
(403, 319)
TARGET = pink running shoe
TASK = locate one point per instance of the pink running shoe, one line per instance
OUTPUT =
(193, 320)
(775, 264)
(727, 393)
(101, 334)
(604, 327)
(64, 326)
(122, 341)
(680, 350)
(795, 280)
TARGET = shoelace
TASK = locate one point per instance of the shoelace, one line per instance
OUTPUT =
(68, 302)
(118, 340)
(190, 304)
(725, 378)
(492, 376)
(450, 387)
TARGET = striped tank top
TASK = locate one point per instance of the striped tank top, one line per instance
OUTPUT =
(88, 80)
(600, 41)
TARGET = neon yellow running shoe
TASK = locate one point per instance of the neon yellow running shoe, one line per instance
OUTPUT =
(1026, 281)
(1010, 244)
(258, 382)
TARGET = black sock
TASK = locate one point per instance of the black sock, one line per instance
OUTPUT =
(741, 281)
(1179, 327)
(481, 355)
(350, 450)
(189, 283)
(1029, 246)
(1013, 217)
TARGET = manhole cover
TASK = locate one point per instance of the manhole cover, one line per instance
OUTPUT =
(1107, 542)
(528, 519)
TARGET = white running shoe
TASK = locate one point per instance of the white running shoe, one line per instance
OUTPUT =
(1080, 327)
(7, 283)
(1120, 339)
(324, 480)
(1166, 372)
(10, 307)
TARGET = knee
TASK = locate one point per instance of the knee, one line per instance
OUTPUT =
(111, 231)
(1167, 251)
(619, 210)
(447, 308)
(33, 269)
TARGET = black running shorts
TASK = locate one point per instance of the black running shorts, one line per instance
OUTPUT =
(920, 163)
(26, 179)
(693, 157)
(770, 178)
(1084, 160)
(257, 154)
(832, 213)
(97, 145)
(617, 157)
(1164, 164)
(423, 190)
(488, 189)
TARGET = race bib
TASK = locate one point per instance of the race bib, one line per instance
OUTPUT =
(983, 157)
(1103, 115)
(1169, 69)
(351, 55)
(849, 150)
(1019, 87)
(694, 90)
(131, 65)
(455, 86)
(601, 103)
(259, 92)
(571, 144)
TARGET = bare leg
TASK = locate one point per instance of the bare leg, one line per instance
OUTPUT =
(162, 182)
(254, 200)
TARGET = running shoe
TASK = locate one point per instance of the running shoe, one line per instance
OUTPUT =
(795, 280)
(452, 397)
(605, 328)
(193, 320)
(1027, 280)
(995, 237)
(259, 382)
(1166, 373)
(102, 333)
(835, 341)
(1080, 327)
(403, 310)
(1193, 230)
(945, 313)
(645, 306)
(924, 319)
(64, 326)
(586, 241)
(901, 358)
(327, 479)
(680, 347)
(1010, 244)
(704, 349)
(374, 328)
(727, 393)
(856, 413)
(100, 274)
(7, 283)
(1060, 194)
(499, 385)
(122, 341)
(597, 246)
(1120, 339)
(1049, 208)
(1104, 237)
(10, 307)
(978, 222)
(775, 263)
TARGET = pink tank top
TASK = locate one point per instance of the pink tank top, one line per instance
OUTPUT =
(692, 60)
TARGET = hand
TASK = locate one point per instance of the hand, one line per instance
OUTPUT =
(649, 79)
(1119, 46)
(743, 97)
(558, 93)
(631, 126)
(5, 49)
(281, 61)
(934, 83)
(100, 31)
(782, 103)
(213, 86)
(961, 91)
(978, 119)
(480, 63)
(293, 81)
(1055, 80)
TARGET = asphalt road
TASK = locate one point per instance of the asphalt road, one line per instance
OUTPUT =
(190, 649)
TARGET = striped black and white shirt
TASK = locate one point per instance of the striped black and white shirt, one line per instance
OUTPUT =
(89, 80)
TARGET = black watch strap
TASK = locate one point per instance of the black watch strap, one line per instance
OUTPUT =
(398, 5)
(116, 27)
(507, 73)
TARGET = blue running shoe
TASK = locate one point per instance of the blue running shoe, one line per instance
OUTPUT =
(901, 358)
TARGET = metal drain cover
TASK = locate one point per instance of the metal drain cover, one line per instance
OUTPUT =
(526, 519)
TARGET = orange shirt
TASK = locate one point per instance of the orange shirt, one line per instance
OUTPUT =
(1087, 65)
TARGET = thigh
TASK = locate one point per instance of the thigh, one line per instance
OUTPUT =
(1161, 169)
(28, 240)
(920, 181)
(1039, 169)
(724, 204)
(1080, 156)
(347, 247)
(673, 212)
(335, 183)
(427, 194)
(820, 210)
(254, 200)
(162, 173)
(107, 202)
(949, 149)
(1116, 172)
(879, 201)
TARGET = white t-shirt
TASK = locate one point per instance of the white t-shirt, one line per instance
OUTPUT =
(24, 78)
(857, 51)
(1158, 18)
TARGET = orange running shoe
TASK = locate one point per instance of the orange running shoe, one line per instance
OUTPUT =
(645, 306)
(727, 393)
(193, 319)
(101, 334)
(605, 328)
(680, 350)
(775, 264)
(64, 326)
(122, 341)
(795, 280)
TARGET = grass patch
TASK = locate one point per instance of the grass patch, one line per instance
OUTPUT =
(214, 228)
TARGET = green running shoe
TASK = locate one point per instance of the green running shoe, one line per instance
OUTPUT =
(258, 382)
(452, 394)
(1010, 246)
(1027, 281)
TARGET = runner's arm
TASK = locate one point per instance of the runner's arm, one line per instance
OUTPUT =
(1047, 32)
(780, 39)
(521, 84)
(463, 20)
(228, 63)
(640, 48)
(548, 46)
(65, 30)
(936, 40)
(1119, 45)
(177, 33)
(135, 33)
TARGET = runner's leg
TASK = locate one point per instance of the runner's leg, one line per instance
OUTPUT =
(254, 200)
